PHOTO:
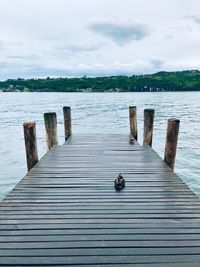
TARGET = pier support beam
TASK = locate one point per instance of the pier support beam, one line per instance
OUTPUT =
(50, 121)
(30, 144)
(133, 122)
(67, 122)
(148, 126)
(171, 142)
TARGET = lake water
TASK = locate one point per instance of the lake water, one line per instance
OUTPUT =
(98, 113)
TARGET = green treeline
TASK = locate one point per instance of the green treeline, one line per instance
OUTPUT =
(161, 81)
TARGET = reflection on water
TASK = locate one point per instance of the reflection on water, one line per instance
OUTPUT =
(98, 113)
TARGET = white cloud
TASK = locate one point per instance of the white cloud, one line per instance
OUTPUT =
(97, 69)
(120, 31)
(117, 68)
(194, 18)
(78, 48)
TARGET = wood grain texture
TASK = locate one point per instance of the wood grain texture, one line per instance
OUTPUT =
(67, 122)
(50, 121)
(66, 212)
(133, 122)
(30, 144)
(171, 142)
(148, 126)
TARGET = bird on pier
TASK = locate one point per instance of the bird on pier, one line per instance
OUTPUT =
(132, 140)
(119, 183)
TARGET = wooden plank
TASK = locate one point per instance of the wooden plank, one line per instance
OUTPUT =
(96, 231)
(100, 251)
(100, 244)
(24, 227)
(92, 216)
(97, 237)
(69, 261)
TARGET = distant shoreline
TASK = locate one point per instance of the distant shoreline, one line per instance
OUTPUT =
(106, 92)
(182, 81)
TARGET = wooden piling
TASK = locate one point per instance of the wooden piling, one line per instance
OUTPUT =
(67, 122)
(30, 144)
(133, 122)
(148, 126)
(50, 120)
(171, 142)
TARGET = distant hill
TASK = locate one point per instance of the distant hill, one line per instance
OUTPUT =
(161, 81)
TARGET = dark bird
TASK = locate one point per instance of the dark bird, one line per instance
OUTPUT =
(119, 182)
(132, 140)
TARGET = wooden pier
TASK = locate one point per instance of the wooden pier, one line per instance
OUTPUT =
(66, 211)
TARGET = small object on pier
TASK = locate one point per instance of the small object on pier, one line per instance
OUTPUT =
(132, 140)
(119, 182)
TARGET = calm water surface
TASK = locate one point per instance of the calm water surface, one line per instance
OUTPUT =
(98, 113)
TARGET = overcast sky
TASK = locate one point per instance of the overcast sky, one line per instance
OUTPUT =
(40, 38)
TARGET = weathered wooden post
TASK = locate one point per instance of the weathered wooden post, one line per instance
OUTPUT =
(148, 126)
(67, 122)
(50, 121)
(30, 144)
(171, 142)
(133, 122)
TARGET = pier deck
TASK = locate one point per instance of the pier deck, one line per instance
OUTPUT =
(66, 212)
